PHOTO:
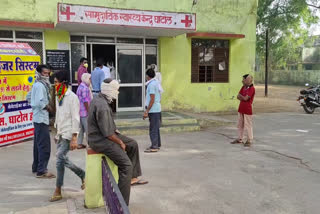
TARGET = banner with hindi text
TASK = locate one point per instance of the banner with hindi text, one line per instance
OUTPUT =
(18, 62)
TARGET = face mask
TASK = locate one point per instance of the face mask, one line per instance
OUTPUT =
(86, 65)
(45, 79)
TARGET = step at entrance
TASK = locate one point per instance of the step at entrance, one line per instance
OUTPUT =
(131, 123)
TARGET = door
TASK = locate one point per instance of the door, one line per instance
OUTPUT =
(129, 65)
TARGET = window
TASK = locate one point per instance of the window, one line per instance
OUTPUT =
(151, 56)
(100, 39)
(209, 61)
(130, 40)
(28, 35)
(77, 51)
(33, 38)
(308, 66)
(6, 34)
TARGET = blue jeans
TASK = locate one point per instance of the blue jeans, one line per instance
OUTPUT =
(83, 129)
(41, 148)
(63, 148)
(154, 130)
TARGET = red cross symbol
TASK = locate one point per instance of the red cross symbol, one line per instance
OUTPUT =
(187, 21)
(68, 13)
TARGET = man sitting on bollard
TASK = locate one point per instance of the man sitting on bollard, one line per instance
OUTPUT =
(103, 137)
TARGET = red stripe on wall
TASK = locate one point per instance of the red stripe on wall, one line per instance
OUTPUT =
(215, 35)
(26, 24)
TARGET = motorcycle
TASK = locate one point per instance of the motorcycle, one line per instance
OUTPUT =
(309, 98)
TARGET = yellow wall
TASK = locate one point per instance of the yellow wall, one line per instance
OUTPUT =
(53, 38)
(219, 16)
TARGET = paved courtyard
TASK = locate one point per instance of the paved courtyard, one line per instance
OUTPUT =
(196, 172)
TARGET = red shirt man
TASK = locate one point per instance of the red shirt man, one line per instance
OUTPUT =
(246, 96)
(245, 107)
(82, 69)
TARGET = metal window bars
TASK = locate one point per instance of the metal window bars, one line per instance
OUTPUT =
(112, 196)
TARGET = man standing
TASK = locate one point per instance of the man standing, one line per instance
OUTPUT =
(246, 96)
(84, 95)
(106, 71)
(97, 77)
(104, 138)
(153, 111)
(67, 124)
(40, 107)
(82, 68)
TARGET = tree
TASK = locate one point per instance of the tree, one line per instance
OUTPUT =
(313, 3)
(287, 22)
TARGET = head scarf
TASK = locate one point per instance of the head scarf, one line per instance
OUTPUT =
(154, 67)
(86, 78)
(110, 90)
(61, 90)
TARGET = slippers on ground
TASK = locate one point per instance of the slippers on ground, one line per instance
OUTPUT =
(47, 175)
(149, 150)
(55, 198)
(140, 182)
(81, 146)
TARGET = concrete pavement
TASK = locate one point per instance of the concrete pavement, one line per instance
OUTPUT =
(197, 172)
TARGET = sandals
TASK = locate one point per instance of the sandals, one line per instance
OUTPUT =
(55, 198)
(247, 144)
(150, 150)
(46, 175)
(140, 182)
(81, 146)
(236, 141)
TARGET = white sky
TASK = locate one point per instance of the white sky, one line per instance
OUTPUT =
(315, 29)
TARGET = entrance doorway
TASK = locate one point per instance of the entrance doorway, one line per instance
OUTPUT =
(128, 63)
(97, 51)
(130, 57)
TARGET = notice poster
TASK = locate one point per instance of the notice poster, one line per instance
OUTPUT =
(18, 62)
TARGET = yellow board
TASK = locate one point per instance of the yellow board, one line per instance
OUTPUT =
(14, 88)
(18, 63)
(93, 191)
(16, 76)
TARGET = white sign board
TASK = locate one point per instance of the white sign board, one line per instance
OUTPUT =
(68, 13)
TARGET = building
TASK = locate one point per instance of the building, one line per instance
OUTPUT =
(311, 54)
(202, 47)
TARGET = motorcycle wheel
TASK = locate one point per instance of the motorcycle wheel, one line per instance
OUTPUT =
(308, 109)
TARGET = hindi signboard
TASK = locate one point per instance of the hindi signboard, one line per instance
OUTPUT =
(18, 62)
(68, 13)
(58, 59)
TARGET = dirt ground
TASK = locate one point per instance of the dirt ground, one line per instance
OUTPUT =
(280, 99)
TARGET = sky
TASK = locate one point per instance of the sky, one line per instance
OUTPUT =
(315, 29)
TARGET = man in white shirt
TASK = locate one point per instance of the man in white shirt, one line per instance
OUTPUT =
(67, 124)
(106, 71)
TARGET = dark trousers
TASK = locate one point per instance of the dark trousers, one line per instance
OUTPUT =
(41, 148)
(154, 130)
(128, 162)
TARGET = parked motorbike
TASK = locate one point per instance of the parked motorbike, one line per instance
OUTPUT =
(309, 98)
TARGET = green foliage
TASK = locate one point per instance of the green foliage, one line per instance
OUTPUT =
(288, 22)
